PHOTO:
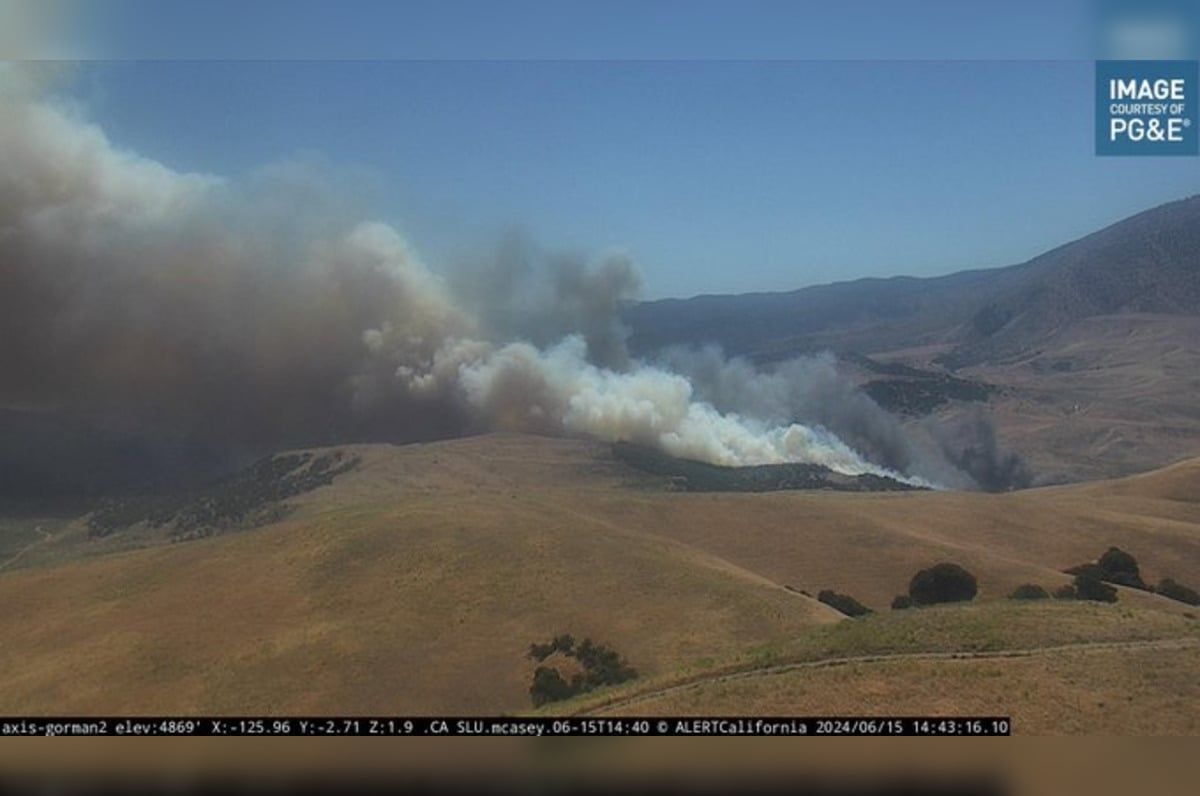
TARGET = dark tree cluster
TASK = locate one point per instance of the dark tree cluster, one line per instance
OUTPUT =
(942, 583)
(249, 499)
(921, 396)
(1089, 587)
(564, 644)
(601, 666)
(1119, 567)
(1177, 591)
(1115, 566)
(843, 602)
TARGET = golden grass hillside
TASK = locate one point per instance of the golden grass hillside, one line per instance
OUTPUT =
(416, 583)
(1052, 667)
(1105, 396)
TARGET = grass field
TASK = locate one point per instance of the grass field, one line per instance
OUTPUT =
(1053, 667)
(416, 583)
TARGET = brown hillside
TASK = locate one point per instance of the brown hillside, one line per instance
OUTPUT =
(416, 583)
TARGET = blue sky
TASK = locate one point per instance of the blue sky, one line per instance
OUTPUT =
(721, 165)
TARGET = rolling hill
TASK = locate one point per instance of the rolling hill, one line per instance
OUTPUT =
(416, 581)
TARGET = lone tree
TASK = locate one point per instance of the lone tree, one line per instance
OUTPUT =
(942, 583)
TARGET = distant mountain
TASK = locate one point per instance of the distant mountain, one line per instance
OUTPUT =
(1148, 263)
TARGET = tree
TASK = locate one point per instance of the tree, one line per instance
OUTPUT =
(1119, 567)
(1177, 591)
(1117, 560)
(1088, 587)
(1115, 566)
(1029, 591)
(548, 686)
(902, 602)
(601, 666)
(942, 583)
(843, 603)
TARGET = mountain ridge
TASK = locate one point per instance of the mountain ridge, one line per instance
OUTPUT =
(981, 314)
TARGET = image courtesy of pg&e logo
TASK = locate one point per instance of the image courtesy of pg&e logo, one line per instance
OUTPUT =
(1147, 108)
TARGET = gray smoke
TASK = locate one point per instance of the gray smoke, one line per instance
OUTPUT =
(810, 391)
(261, 312)
(523, 292)
(969, 442)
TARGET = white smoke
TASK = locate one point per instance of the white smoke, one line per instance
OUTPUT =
(811, 391)
(519, 386)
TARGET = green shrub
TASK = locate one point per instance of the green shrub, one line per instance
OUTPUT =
(1177, 591)
(1088, 587)
(902, 602)
(942, 583)
(1029, 591)
(843, 602)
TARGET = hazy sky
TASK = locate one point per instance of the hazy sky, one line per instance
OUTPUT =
(916, 143)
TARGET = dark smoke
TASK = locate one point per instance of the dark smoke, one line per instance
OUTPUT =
(970, 443)
(523, 292)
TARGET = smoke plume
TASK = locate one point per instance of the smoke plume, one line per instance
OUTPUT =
(969, 442)
(810, 391)
(258, 313)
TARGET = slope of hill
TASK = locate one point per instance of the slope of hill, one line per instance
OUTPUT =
(1106, 396)
(1124, 687)
(416, 582)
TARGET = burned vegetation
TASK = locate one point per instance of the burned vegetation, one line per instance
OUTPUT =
(254, 497)
(695, 476)
(906, 390)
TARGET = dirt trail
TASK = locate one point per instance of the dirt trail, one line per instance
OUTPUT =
(752, 670)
